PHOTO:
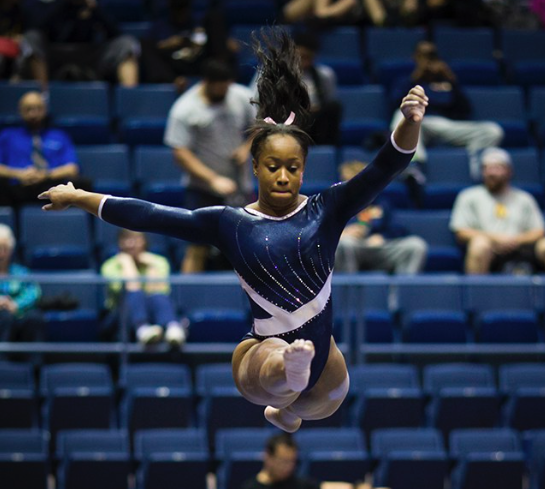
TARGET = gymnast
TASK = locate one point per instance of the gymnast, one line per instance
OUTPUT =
(282, 246)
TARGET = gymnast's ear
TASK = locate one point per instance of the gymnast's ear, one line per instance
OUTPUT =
(254, 166)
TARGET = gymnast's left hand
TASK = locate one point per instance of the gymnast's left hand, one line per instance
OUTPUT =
(61, 197)
(413, 105)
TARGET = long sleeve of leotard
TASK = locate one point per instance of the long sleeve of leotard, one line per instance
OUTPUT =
(357, 193)
(198, 226)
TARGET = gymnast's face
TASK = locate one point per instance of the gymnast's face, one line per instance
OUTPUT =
(279, 170)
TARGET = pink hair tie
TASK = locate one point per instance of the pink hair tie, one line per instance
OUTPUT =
(287, 122)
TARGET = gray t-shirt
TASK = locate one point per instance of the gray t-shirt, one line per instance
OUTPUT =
(512, 213)
(211, 132)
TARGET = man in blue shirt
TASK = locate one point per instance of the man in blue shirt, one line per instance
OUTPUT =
(35, 156)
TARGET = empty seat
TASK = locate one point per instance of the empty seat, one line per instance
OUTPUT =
(527, 174)
(93, 458)
(385, 396)
(167, 457)
(537, 112)
(534, 448)
(514, 326)
(489, 457)
(77, 396)
(218, 325)
(157, 176)
(322, 161)
(156, 396)
(409, 458)
(82, 110)
(18, 406)
(462, 396)
(261, 12)
(333, 454)
(504, 105)
(56, 241)
(364, 113)
(524, 56)
(108, 168)
(142, 112)
(524, 386)
(24, 461)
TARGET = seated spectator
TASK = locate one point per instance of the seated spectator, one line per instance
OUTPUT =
(449, 110)
(36, 156)
(501, 226)
(84, 44)
(19, 318)
(148, 305)
(21, 53)
(279, 467)
(176, 45)
(373, 243)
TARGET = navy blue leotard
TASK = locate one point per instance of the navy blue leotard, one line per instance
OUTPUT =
(284, 263)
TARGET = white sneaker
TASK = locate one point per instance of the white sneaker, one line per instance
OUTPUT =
(149, 334)
(175, 335)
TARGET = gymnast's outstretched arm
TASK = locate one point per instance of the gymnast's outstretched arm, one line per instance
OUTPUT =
(199, 226)
(392, 159)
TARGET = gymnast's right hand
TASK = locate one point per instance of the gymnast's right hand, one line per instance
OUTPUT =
(61, 197)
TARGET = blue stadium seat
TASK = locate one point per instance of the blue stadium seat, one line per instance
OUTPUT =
(364, 113)
(447, 172)
(444, 255)
(524, 386)
(18, 404)
(125, 10)
(470, 54)
(142, 112)
(504, 105)
(514, 326)
(76, 396)
(168, 456)
(409, 458)
(239, 452)
(83, 110)
(385, 396)
(7, 217)
(139, 29)
(108, 168)
(322, 169)
(155, 396)
(9, 102)
(340, 48)
(333, 454)
(261, 12)
(157, 176)
(56, 241)
(524, 56)
(24, 460)
(436, 326)
(93, 458)
(221, 405)
(527, 174)
(389, 52)
(218, 325)
(462, 396)
(486, 458)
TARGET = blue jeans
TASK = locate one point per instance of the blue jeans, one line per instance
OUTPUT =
(148, 309)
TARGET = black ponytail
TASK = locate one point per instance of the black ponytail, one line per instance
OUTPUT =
(280, 89)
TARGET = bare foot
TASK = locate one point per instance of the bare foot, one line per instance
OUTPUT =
(282, 419)
(297, 358)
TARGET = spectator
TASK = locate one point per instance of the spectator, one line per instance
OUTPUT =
(279, 464)
(35, 156)
(335, 12)
(449, 109)
(148, 305)
(206, 128)
(19, 318)
(21, 52)
(501, 226)
(84, 44)
(177, 46)
(373, 243)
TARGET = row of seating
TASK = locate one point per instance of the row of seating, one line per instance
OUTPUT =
(400, 458)
(93, 115)
(158, 395)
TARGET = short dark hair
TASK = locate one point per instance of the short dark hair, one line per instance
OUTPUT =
(281, 439)
(307, 39)
(215, 70)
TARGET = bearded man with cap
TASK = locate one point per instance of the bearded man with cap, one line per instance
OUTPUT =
(501, 225)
